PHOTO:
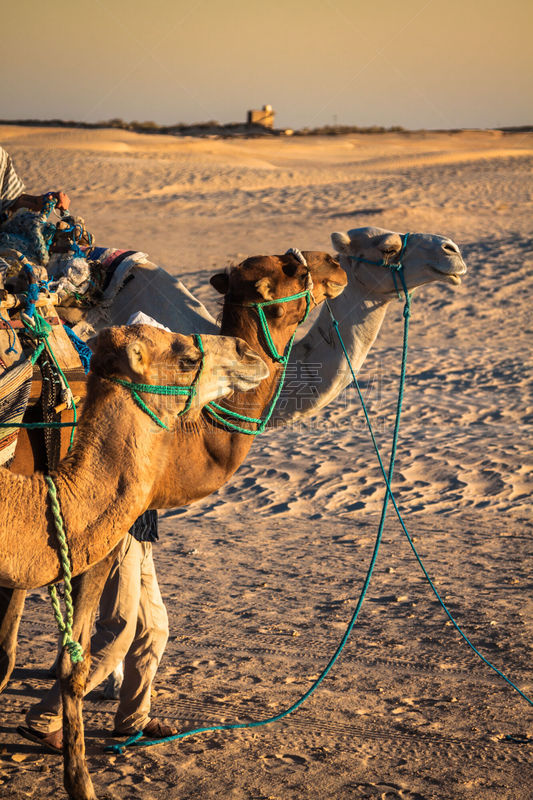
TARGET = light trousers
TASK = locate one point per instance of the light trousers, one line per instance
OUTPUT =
(132, 627)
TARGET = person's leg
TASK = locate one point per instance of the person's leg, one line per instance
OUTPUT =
(144, 655)
(115, 630)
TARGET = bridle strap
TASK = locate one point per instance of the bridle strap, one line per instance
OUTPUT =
(164, 389)
(396, 269)
(215, 409)
(281, 359)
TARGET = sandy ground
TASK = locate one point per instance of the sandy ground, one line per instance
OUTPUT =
(261, 578)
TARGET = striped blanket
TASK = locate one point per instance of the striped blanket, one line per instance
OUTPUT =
(15, 384)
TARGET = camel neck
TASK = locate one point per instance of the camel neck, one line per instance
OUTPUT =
(205, 453)
(317, 360)
(102, 486)
(113, 460)
(245, 323)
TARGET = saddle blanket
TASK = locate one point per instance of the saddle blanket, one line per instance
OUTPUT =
(15, 386)
(118, 264)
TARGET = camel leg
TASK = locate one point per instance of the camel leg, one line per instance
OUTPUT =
(86, 590)
(11, 608)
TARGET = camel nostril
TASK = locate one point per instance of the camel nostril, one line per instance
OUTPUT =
(450, 247)
(242, 348)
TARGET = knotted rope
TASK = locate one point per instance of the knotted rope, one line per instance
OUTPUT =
(74, 648)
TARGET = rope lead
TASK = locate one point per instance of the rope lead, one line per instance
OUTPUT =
(136, 739)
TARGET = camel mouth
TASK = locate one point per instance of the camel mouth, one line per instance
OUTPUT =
(451, 277)
(245, 383)
(334, 289)
(253, 377)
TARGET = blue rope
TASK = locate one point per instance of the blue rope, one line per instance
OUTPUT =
(82, 349)
(397, 269)
(417, 556)
(11, 348)
(134, 739)
(32, 295)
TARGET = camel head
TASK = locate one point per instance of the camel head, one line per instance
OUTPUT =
(427, 257)
(145, 354)
(264, 278)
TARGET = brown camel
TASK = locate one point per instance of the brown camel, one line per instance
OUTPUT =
(119, 444)
(207, 453)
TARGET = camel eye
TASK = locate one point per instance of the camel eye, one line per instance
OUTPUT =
(188, 364)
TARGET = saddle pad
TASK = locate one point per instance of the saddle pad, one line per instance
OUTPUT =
(15, 385)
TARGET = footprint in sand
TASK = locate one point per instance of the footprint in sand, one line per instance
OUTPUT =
(383, 791)
(282, 762)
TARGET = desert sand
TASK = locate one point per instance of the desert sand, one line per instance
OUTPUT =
(261, 578)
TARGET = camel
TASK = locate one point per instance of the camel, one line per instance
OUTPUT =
(360, 311)
(202, 457)
(117, 442)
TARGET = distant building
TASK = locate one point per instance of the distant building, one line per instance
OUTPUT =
(265, 117)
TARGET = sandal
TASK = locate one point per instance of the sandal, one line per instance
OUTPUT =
(154, 729)
(51, 742)
(159, 730)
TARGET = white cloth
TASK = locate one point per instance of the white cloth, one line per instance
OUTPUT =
(140, 318)
(11, 186)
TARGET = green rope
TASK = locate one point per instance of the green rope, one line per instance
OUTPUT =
(134, 740)
(216, 410)
(213, 408)
(164, 389)
(65, 626)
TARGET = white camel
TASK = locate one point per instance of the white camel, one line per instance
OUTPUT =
(360, 309)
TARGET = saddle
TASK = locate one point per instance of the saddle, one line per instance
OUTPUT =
(54, 266)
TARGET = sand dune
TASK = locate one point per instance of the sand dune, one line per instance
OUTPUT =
(262, 577)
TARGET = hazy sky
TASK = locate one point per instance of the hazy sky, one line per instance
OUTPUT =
(436, 64)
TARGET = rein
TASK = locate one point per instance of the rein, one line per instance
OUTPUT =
(164, 389)
(65, 625)
(136, 739)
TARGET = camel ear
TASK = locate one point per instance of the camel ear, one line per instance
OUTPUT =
(264, 287)
(291, 267)
(340, 241)
(138, 358)
(220, 282)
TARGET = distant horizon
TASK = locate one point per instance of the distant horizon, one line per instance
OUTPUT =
(421, 64)
(145, 126)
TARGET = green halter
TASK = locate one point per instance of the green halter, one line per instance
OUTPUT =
(216, 410)
(396, 269)
(153, 388)
(264, 322)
